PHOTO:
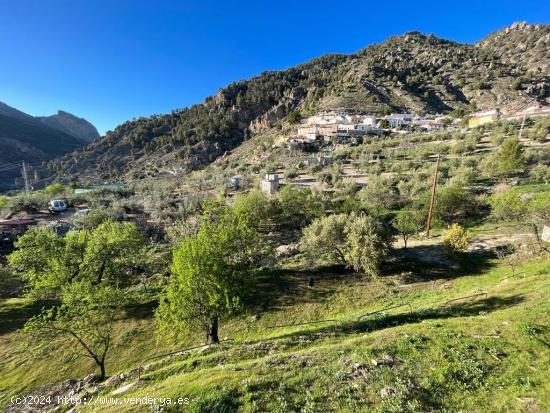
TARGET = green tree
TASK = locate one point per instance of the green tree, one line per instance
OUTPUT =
(293, 117)
(105, 255)
(210, 273)
(508, 160)
(508, 206)
(252, 207)
(355, 240)
(377, 195)
(452, 204)
(82, 325)
(408, 222)
(297, 207)
(528, 210)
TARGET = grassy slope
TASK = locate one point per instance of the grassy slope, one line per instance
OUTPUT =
(488, 352)
(485, 353)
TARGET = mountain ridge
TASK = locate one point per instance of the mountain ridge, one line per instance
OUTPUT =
(412, 72)
(37, 139)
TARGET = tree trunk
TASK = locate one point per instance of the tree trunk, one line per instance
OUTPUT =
(101, 365)
(213, 333)
(537, 237)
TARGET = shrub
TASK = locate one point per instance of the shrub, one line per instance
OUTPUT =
(539, 173)
(29, 203)
(54, 189)
(4, 200)
(456, 238)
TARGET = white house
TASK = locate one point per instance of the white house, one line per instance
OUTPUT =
(345, 127)
(368, 121)
(397, 120)
(430, 124)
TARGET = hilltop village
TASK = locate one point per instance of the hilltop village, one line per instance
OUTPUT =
(345, 128)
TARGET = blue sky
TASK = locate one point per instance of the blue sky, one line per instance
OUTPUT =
(112, 60)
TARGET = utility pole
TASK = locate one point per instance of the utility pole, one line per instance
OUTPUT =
(521, 128)
(25, 177)
(432, 199)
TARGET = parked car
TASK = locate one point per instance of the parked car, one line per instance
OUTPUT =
(57, 205)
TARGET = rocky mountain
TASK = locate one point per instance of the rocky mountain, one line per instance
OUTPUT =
(72, 125)
(34, 140)
(413, 72)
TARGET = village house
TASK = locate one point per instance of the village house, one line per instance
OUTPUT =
(429, 124)
(369, 121)
(319, 160)
(345, 127)
(400, 120)
(481, 118)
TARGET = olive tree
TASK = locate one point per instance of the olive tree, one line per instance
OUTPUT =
(355, 240)
(408, 222)
(525, 210)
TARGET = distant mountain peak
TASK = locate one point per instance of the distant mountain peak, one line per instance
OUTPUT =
(72, 125)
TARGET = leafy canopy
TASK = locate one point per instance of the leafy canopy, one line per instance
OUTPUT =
(104, 255)
(210, 274)
(355, 240)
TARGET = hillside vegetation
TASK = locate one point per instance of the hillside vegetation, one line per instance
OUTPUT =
(413, 72)
(327, 294)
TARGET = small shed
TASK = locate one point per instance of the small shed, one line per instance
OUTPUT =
(270, 184)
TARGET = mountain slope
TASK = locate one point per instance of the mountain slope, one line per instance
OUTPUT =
(72, 125)
(25, 139)
(413, 72)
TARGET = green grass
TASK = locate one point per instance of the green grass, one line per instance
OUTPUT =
(488, 351)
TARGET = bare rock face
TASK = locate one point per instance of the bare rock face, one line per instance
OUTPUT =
(268, 119)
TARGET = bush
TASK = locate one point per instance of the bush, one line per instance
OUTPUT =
(539, 174)
(29, 203)
(54, 189)
(456, 238)
(4, 200)
(96, 217)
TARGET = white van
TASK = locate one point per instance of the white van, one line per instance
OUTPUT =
(57, 205)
